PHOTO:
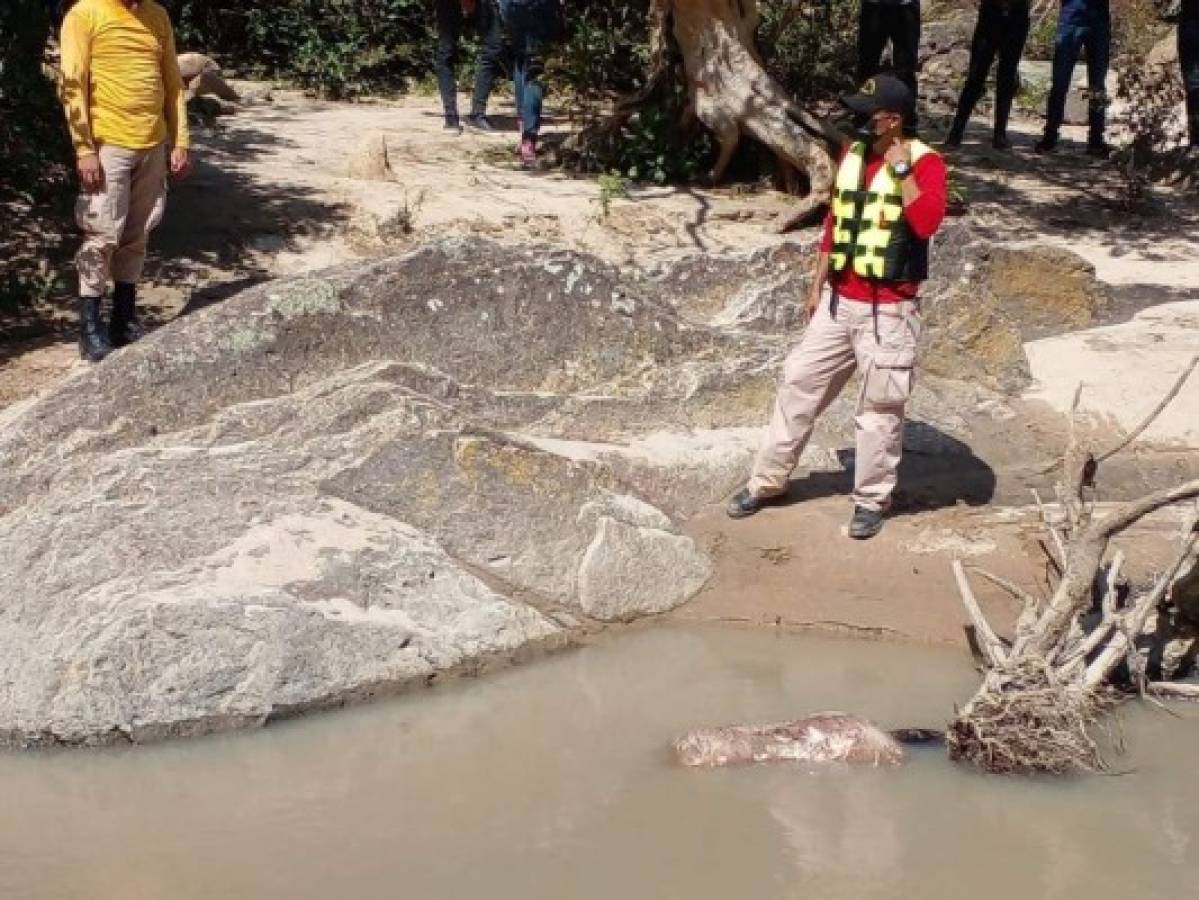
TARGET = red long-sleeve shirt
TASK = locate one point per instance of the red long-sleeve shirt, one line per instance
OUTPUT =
(923, 215)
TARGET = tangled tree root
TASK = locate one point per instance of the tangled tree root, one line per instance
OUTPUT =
(1047, 688)
(1030, 724)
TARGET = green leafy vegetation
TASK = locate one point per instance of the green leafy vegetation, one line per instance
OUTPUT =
(36, 173)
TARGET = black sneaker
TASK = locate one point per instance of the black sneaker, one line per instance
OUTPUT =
(480, 123)
(1099, 151)
(1046, 145)
(452, 124)
(746, 504)
(1000, 142)
(952, 141)
(865, 524)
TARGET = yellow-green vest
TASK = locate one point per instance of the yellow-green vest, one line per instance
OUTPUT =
(869, 228)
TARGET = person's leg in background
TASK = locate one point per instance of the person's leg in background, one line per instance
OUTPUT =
(489, 62)
(1065, 55)
(531, 26)
(872, 39)
(904, 29)
(147, 202)
(983, 48)
(1014, 35)
(1098, 42)
(449, 32)
(1188, 59)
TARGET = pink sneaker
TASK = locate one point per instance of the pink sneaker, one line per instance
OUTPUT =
(528, 152)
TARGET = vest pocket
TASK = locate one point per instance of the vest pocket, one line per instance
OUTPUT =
(889, 380)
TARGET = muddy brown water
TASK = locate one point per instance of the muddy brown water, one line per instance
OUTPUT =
(552, 781)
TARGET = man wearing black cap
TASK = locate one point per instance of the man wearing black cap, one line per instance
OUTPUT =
(888, 201)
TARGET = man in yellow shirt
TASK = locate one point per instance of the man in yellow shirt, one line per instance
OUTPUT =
(127, 114)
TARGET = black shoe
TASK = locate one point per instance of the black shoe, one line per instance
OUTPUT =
(93, 342)
(480, 123)
(952, 141)
(123, 326)
(746, 504)
(1046, 145)
(1099, 151)
(1000, 142)
(865, 524)
(452, 124)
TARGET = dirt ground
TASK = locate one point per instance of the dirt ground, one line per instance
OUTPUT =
(271, 196)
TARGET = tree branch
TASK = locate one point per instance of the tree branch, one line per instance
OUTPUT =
(992, 648)
(1157, 411)
(1134, 621)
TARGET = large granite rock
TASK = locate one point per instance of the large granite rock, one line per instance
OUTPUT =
(338, 485)
(333, 486)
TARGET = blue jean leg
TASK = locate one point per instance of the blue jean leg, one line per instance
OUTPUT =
(1066, 47)
(531, 26)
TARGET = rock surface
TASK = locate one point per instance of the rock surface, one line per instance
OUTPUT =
(332, 486)
(340, 484)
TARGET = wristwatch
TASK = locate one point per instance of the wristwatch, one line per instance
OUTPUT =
(902, 169)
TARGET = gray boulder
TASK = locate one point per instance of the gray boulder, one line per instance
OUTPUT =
(335, 486)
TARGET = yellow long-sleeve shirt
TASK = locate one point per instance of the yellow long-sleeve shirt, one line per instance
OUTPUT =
(120, 76)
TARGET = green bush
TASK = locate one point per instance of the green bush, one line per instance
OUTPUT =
(36, 180)
(339, 48)
(605, 49)
(812, 54)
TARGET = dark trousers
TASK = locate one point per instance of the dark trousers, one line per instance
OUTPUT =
(450, 25)
(1001, 31)
(1096, 37)
(532, 25)
(898, 23)
(1188, 57)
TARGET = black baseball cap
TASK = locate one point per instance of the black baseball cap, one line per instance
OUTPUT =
(882, 92)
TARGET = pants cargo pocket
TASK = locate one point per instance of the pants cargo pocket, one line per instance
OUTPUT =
(91, 213)
(889, 381)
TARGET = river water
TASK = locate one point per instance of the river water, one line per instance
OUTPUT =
(553, 781)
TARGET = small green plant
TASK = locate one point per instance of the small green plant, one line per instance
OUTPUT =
(1033, 94)
(958, 194)
(612, 186)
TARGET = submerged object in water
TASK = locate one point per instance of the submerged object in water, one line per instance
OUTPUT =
(819, 738)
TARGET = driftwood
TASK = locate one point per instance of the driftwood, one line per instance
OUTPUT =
(731, 94)
(1045, 690)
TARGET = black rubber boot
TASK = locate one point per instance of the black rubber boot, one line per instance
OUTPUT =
(93, 342)
(123, 327)
(865, 524)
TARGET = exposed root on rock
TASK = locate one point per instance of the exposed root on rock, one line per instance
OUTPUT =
(1026, 722)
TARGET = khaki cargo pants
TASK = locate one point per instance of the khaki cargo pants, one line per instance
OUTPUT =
(880, 341)
(116, 222)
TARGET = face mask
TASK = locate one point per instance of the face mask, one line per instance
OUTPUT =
(863, 128)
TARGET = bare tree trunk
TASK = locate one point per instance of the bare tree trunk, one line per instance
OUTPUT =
(732, 94)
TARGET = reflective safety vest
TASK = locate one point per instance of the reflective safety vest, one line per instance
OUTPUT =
(869, 227)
